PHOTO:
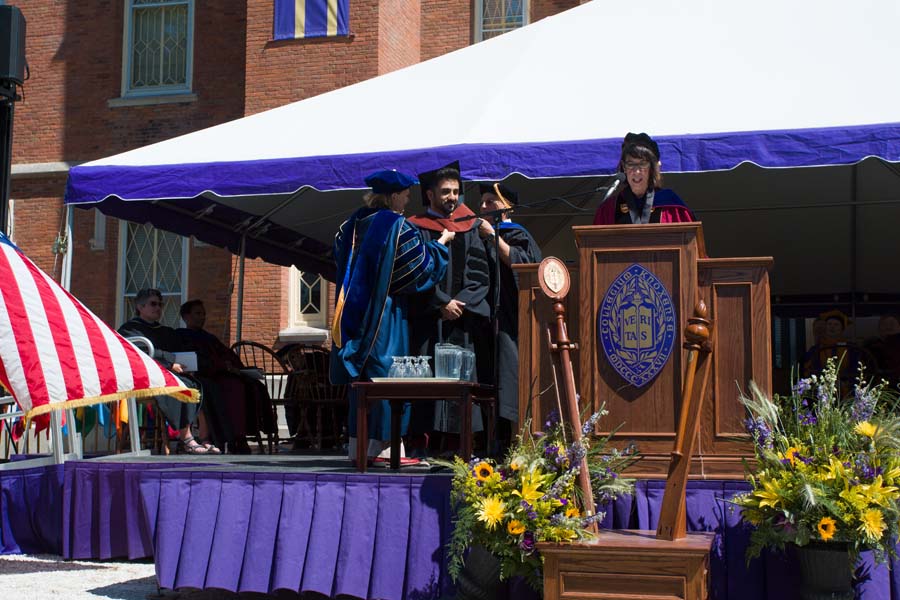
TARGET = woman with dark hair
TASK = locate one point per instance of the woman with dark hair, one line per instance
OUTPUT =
(643, 199)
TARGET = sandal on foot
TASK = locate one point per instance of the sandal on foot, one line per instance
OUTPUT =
(189, 445)
(210, 448)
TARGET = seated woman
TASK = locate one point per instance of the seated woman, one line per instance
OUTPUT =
(149, 303)
(246, 405)
(642, 199)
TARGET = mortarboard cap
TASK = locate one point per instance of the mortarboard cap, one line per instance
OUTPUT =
(640, 139)
(429, 178)
(507, 192)
(389, 181)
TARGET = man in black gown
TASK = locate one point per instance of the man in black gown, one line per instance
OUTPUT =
(458, 310)
(515, 246)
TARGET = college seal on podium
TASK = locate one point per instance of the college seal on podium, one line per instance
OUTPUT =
(636, 325)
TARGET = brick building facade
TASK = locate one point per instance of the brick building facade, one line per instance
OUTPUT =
(82, 102)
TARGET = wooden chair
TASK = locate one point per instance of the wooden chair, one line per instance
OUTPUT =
(277, 373)
(311, 387)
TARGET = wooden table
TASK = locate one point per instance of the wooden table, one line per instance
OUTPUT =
(399, 391)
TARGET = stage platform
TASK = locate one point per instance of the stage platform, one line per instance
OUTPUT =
(311, 523)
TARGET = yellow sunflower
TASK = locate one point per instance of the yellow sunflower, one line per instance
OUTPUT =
(491, 512)
(572, 511)
(483, 471)
(515, 527)
(865, 428)
(826, 528)
(872, 523)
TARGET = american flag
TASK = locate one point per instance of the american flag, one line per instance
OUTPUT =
(56, 354)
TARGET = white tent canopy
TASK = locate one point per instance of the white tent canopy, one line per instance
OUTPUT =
(782, 85)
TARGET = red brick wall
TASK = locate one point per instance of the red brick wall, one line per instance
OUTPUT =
(38, 131)
(546, 8)
(94, 271)
(39, 213)
(265, 302)
(446, 26)
(74, 51)
(209, 275)
(398, 34)
(286, 71)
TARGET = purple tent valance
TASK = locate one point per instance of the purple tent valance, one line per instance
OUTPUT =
(684, 153)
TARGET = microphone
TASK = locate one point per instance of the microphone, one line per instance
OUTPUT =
(617, 180)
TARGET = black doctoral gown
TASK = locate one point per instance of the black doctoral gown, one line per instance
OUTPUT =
(467, 280)
(522, 250)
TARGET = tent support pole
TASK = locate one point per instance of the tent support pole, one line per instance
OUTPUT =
(240, 299)
(239, 321)
(854, 239)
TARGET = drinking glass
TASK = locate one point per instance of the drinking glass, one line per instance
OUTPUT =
(426, 367)
(407, 369)
(395, 367)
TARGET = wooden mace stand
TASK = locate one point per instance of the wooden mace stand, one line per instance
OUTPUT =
(667, 564)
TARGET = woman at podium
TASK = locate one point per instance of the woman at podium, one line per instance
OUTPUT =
(642, 199)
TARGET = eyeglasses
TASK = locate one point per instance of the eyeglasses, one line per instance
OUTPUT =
(637, 166)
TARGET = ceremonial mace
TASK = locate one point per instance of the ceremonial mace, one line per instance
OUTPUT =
(553, 277)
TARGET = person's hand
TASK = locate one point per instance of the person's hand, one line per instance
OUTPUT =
(452, 310)
(485, 230)
(446, 236)
(177, 368)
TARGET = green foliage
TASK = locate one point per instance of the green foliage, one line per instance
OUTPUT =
(532, 496)
(827, 468)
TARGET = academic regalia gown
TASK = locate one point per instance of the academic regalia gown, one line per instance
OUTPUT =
(667, 208)
(467, 280)
(381, 259)
(522, 250)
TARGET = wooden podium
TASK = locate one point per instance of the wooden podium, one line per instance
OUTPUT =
(737, 293)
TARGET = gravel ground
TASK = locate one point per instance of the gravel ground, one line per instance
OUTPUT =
(46, 576)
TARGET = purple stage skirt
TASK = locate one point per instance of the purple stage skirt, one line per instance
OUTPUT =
(364, 536)
(31, 502)
(102, 515)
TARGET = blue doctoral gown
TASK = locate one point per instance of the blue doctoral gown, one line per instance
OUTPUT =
(381, 259)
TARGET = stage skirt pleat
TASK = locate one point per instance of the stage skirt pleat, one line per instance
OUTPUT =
(362, 536)
(31, 503)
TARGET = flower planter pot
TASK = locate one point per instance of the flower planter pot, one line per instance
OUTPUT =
(480, 579)
(826, 572)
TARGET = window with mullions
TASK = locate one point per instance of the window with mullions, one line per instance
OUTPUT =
(158, 47)
(493, 17)
(309, 295)
(152, 258)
